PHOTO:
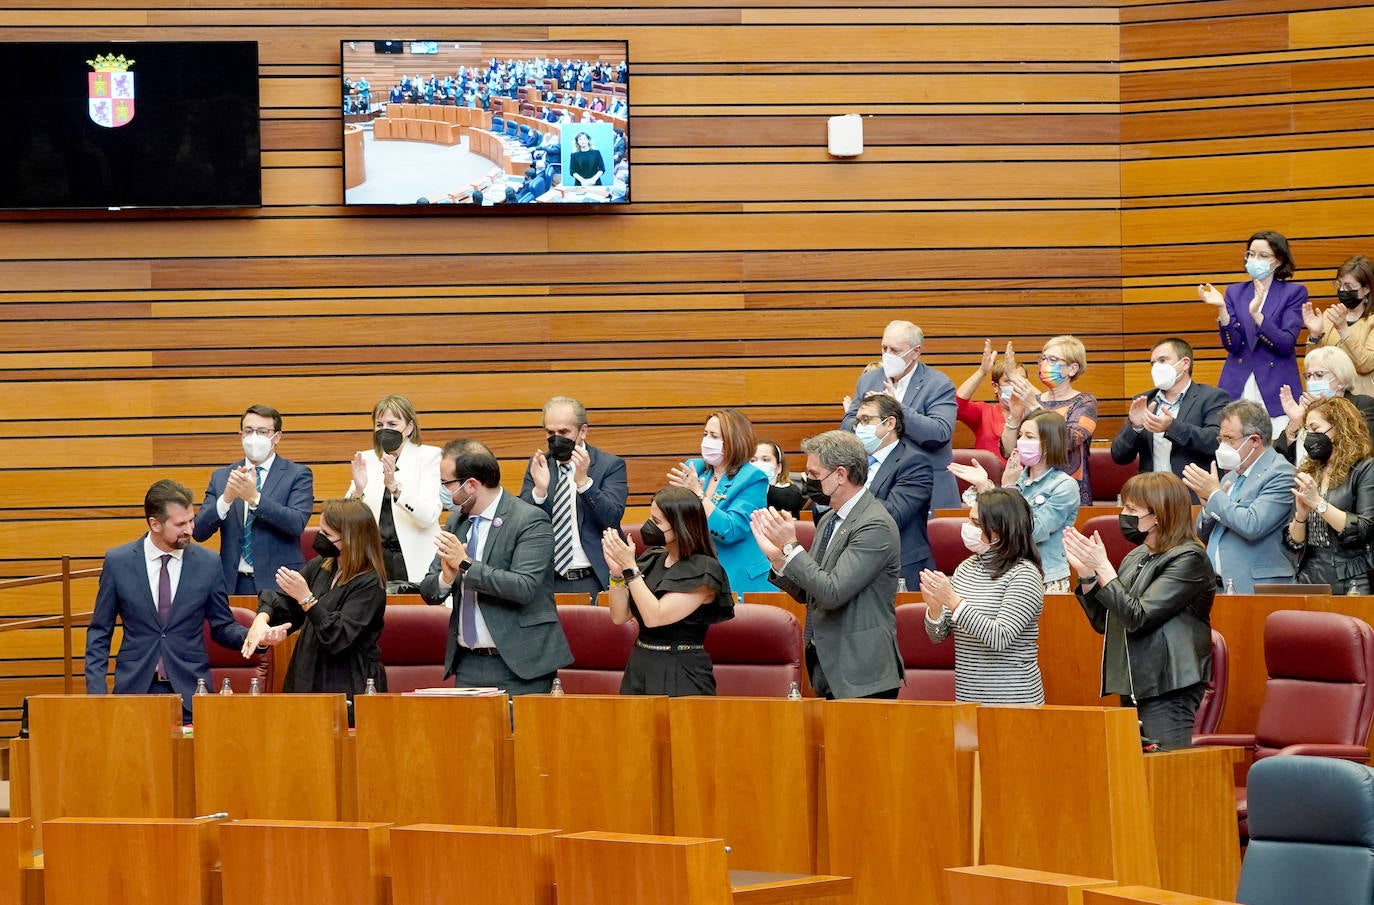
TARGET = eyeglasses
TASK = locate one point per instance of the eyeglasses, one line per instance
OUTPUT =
(1233, 439)
(260, 431)
(443, 483)
(1356, 287)
(1316, 375)
(1053, 360)
(1262, 255)
(869, 419)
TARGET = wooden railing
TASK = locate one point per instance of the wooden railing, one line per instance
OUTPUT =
(66, 619)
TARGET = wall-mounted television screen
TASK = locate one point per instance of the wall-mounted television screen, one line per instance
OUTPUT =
(116, 124)
(488, 125)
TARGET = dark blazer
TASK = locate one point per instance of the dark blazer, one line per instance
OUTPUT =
(288, 496)
(601, 506)
(124, 592)
(1267, 351)
(514, 585)
(1165, 605)
(903, 485)
(849, 599)
(1193, 432)
(930, 411)
(1362, 402)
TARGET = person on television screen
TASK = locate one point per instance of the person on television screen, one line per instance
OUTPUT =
(586, 165)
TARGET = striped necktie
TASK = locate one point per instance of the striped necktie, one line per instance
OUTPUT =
(563, 527)
(246, 539)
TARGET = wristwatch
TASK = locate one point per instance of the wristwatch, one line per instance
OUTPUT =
(465, 565)
(1321, 507)
(630, 574)
(788, 547)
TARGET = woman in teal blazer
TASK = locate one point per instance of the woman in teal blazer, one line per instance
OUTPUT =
(730, 489)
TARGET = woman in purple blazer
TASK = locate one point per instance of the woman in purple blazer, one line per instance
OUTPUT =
(1259, 321)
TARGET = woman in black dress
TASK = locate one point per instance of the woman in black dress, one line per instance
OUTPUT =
(337, 602)
(783, 493)
(586, 163)
(675, 591)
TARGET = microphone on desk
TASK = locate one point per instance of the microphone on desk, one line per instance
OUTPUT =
(218, 815)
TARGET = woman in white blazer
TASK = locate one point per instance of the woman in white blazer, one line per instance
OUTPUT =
(399, 480)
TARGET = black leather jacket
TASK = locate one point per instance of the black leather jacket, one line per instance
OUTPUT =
(1165, 603)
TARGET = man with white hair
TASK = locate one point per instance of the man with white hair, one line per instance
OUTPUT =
(928, 404)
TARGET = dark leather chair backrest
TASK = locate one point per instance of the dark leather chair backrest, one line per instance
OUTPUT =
(1311, 833)
(412, 643)
(991, 464)
(1110, 529)
(928, 667)
(946, 543)
(1321, 680)
(600, 649)
(229, 664)
(757, 653)
(1106, 477)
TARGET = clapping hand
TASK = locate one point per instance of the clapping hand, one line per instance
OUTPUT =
(989, 357)
(1312, 319)
(1202, 483)
(260, 633)
(359, 467)
(539, 473)
(581, 462)
(1087, 555)
(1209, 294)
(682, 475)
(389, 470)
(452, 555)
(242, 485)
(974, 475)
(1137, 412)
(1306, 495)
(773, 530)
(292, 584)
(619, 552)
(1158, 421)
(938, 592)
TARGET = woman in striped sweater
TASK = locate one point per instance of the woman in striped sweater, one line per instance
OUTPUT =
(992, 604)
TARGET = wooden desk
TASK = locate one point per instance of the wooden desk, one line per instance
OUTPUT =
(144, 860)
(510, 866)
(290, 862)
(16, 860)
(1144, 895)
(1192, 798)
(1003, 885)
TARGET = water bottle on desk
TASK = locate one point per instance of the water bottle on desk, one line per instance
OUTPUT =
(201, 687)
(225, 687)
(794, 692)
(255, 686)
(370, 687)
(1230, 586)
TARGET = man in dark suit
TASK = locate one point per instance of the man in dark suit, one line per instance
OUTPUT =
(850, 582)
(900, 477)
(928, 404)
(163, 589)
(1177, 422)
(582, 489)
(495, 562)
(259, 506)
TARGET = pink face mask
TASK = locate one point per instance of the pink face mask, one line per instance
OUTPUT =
(1028, 451)
(712, 451)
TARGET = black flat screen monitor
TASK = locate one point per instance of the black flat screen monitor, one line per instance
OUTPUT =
(488, 126)
(144, 124)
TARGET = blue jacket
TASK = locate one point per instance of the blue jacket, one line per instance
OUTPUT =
(599, 507)
(736, 497)
(1243, 527)
(903, 485)
(288, 496)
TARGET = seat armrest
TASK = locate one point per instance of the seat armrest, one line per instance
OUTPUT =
(1236, 740)
(1358, 753)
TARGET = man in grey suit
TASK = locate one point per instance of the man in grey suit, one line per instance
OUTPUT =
(1244, 512)
(927, 399)
(850, 582)
(495, 562)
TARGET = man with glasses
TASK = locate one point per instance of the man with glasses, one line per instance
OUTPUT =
(927, 399)
(848, 579)
(260, 505)
(1244, 510)
(900, 477)
(1176, 423)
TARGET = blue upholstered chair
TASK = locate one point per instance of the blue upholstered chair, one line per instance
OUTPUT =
(1311, 833)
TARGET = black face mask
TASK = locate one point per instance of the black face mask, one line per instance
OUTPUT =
(560, 448)
(324, 546)
(652, 535)
(389, 440)
(1318, 446)
(1350, 298)
(814, 493)
(1130, 528)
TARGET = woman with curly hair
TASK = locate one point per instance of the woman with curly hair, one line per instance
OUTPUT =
(1333, 510)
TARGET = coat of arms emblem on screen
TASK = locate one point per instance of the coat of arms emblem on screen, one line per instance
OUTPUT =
(110, 92)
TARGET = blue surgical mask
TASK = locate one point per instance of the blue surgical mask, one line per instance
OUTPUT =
(1320, 388)
(1006, 393)
(868, 436)
(1258, 269)
(446, 498)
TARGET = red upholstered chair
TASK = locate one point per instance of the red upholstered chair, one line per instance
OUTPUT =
(806, 534)
(1319, 698)
(600, 649)
(1106, 476)
(1213, 703)
(1110, 529)
(929, 667)
(991, 464)
(946, 544)
(633, 531)
(308, 542)
(758, 653)
(229, 664)
(413, 643)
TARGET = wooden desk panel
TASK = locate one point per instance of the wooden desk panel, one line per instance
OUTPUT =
(273, 756)
(289, 862)
(996, 883)
(443, 865)
(1145, 895)
(763, 805)
(1192, 797)
(433, 760)
(16, 859)
(145, 860)
(592, 762)
(630, 869)
(1051, 774)
(892, 769)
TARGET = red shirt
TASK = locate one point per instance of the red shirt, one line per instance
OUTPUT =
(986, 420)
